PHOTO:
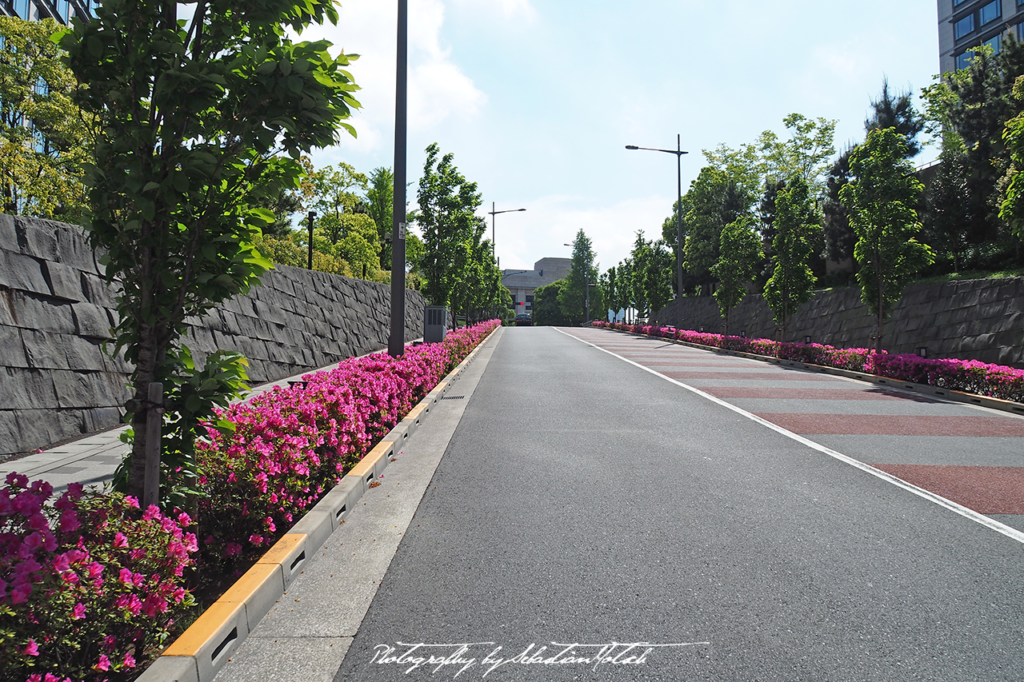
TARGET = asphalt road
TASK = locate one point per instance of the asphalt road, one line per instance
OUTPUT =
(584, 500)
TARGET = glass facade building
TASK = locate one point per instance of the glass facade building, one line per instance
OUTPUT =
(61, 10)
(964, 24)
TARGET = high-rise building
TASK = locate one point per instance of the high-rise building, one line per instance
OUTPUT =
(60, 10)
(964, 24)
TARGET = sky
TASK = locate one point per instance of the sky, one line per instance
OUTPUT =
(536, 99)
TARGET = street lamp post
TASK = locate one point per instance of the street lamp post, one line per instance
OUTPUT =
(396, 340)
(679, 200)
(493, 213)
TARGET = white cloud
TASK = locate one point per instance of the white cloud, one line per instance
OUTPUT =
(552, 221)
(438, 88)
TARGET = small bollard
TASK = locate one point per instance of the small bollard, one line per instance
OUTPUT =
(154, 417)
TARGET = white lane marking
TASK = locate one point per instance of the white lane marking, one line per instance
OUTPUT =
(992, 524)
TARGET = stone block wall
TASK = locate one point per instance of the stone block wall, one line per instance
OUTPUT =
(56, 311)
(979, 319)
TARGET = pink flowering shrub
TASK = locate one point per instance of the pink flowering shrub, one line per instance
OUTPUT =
(970, 376)
(291, 445)
(89, 586)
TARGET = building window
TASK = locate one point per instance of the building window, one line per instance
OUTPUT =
(990, 12)
(63, 10)
(1020, 31)
(995, 42)
(513, 299)
(963, 27)
(957, 3)
(963, 60)
(21, 8)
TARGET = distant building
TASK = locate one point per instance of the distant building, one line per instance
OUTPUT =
(59, 10)
(522, 283)
(964, 24)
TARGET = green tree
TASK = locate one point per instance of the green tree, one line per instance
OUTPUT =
(948, 205)
(737, 265)
(380, 200)
(44, 137)
(448, 203)
(974, 104)
(197, 123)
(546, 307)
(881, 200)
(791, 281)
(332, 190)
(713, 201)
(896, 111)
(582, 272)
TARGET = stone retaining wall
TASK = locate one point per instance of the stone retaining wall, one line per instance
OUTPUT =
(979, 319)
(55, 312)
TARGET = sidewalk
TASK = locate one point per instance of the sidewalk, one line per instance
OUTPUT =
(307, 634)
(93, 459)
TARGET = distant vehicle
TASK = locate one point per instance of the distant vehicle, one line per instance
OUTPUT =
(524, 320)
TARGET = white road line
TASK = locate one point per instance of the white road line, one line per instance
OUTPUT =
(992, 524)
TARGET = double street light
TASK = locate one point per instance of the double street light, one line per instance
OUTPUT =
(679, 213)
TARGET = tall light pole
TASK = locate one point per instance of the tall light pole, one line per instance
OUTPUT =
(493, 235)
(679, 213)
(396, 340)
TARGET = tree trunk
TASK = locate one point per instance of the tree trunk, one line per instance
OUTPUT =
(145, 373)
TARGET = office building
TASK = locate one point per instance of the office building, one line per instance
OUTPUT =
(522, 283)
(60, 10)
(964, 24)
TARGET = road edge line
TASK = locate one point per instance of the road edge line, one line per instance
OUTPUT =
(991, 524)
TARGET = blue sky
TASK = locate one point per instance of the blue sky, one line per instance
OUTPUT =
(537, 98)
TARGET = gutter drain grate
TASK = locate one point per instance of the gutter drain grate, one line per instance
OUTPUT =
(453, 397)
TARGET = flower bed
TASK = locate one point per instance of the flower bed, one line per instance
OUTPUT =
(91, 586)
(969, 376)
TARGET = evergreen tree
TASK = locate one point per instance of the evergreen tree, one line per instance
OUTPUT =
(573, 296)
(896, 111)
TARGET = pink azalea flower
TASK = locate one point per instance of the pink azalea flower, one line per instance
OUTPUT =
(31, 649)
(78, 612)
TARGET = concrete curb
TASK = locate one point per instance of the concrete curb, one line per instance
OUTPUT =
(203, 649)
(926, 389)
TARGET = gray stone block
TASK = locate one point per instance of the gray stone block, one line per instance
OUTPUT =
(83, 354)
(25, 273)
(31, 311)
(97, 291)
(74, 251)
(8, 426)
(38, 237)
(91, 321)
(44, 350)
(25, 389)
(14, 347)
(8, 233)
(78, 390)
(65, 282)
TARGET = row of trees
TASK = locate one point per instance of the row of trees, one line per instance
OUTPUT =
(770, 215)
(185, 158)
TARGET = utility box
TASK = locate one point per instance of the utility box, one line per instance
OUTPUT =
(435, 323)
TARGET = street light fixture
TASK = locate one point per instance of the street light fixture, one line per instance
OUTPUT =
(679, 193)
(493, 213)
